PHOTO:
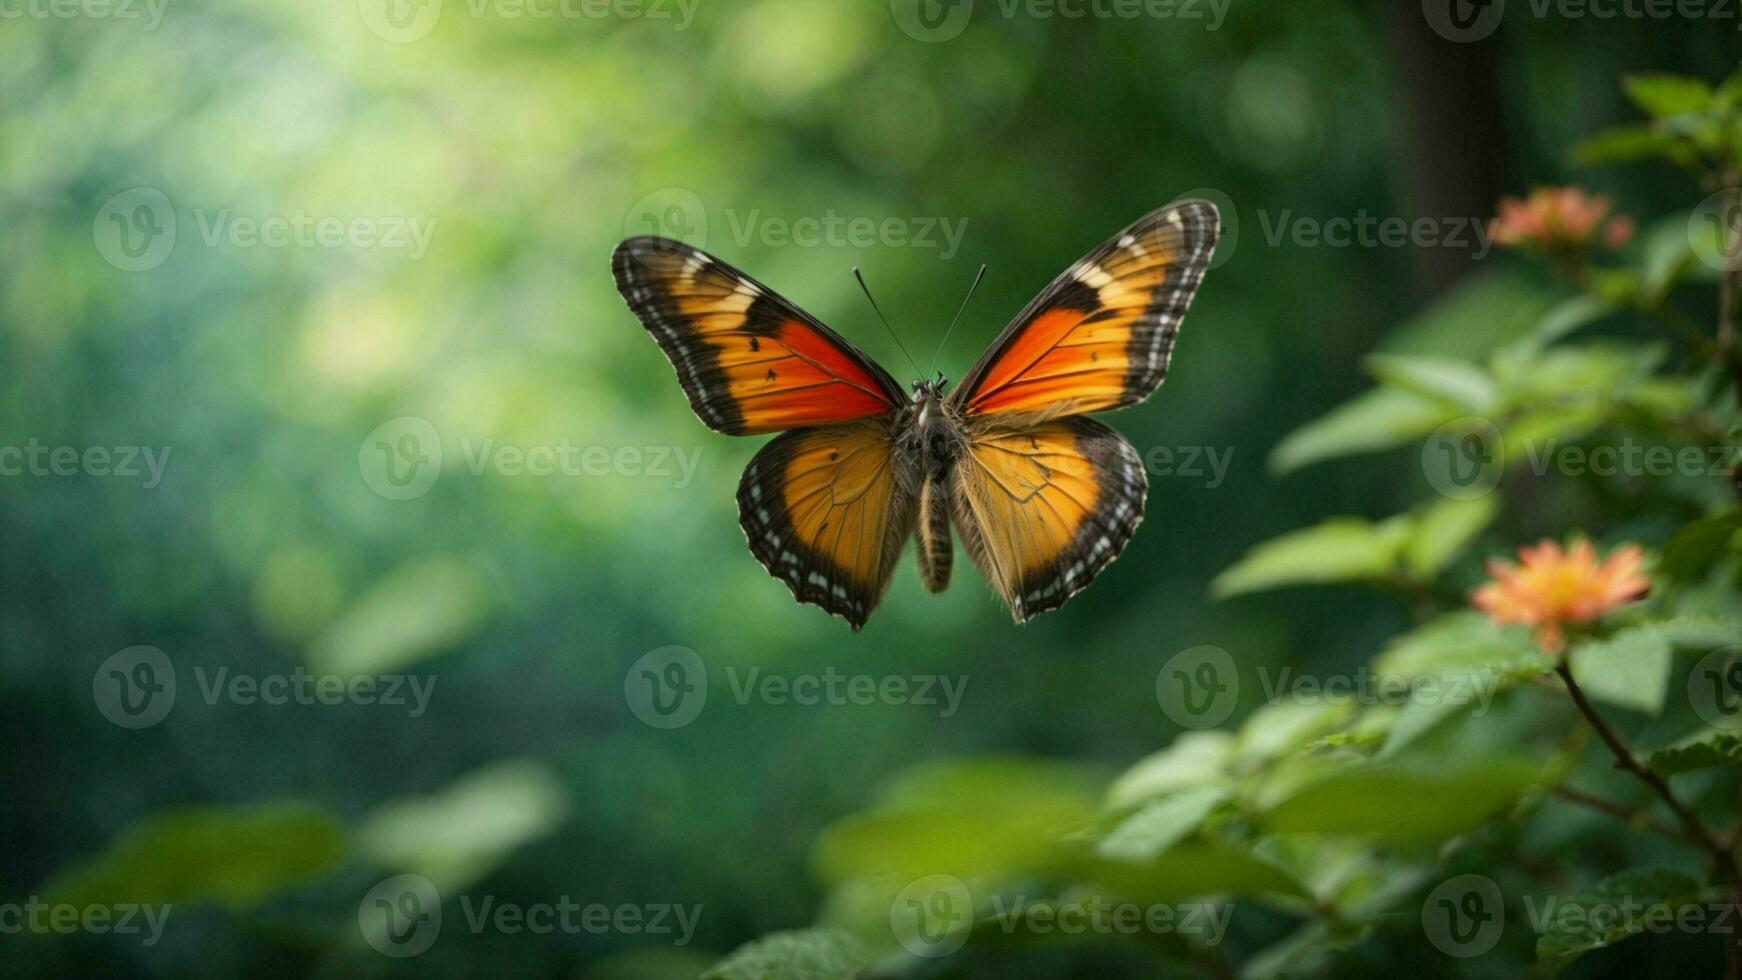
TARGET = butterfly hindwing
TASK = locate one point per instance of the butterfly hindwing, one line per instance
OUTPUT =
(1043, 508)
(749, 360)
(1099, 337)
(827, 509)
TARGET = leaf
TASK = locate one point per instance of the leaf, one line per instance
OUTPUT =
(1383, 418)
(1711, 748)
(234, 855)
(1194, 758)
(971, 819)
(1669, 255)
(457, 835)
(1301, 952)
(1394, 803)
(1565, 317)
(1625, 144)
(1435, 698)
(1278, 729)
(1619, 906)
(1342, 549)
(801, 954)
(1699, 544)
(417, 611)
(1662, 94)
(1473, 317)
(1187, 871)
(1458, 383)
(1629, 669)
(1161, 823)
(1462, 640)
(1443, 530)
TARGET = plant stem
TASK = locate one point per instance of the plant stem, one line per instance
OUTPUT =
(1722, 856)
(1696, 830)
(1622, 812)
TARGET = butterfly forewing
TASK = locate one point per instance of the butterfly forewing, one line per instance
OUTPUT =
(1100, 335)
(749, 360)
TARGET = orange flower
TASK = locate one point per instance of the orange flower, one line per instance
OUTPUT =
(1554, 587)
(1558, 218)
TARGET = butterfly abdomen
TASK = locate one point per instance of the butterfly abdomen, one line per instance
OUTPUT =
(932, 535)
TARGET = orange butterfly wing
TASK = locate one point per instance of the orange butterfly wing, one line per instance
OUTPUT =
(750, 361)
(827, 510)
(1043, 498)
(1100, 336)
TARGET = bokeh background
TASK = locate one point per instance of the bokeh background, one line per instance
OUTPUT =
(137, 310)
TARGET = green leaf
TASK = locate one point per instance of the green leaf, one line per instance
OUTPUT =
(1276, 730)
(1629, 669)
(1458, 383)
(1383, 418)
(1301, 952)
(234, 855)
(1442, 531)
(971, 819)
(1161, 823)
(1619, 906)
(1699, 544)
(801, 954)
(1464, 640)
(1669, 256)
(1662, 94)
(1395, 803)
(456, 836)
(1193, 759)
(1190, 870)
(1435, 698)
(1342, 549)
(1711, 748)
(1565, 317)
(416, 612)
(1473, 317)
(1624, 144)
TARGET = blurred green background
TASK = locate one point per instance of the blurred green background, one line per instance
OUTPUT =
(138, 310)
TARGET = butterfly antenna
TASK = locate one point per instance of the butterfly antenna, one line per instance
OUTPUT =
(885, 320)
(977, 277)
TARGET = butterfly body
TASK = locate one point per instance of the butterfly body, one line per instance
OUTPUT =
(1041, 496)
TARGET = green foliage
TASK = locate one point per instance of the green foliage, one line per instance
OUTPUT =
(1615, 908)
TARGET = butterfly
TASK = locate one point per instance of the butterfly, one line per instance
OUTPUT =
(1042, 496)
